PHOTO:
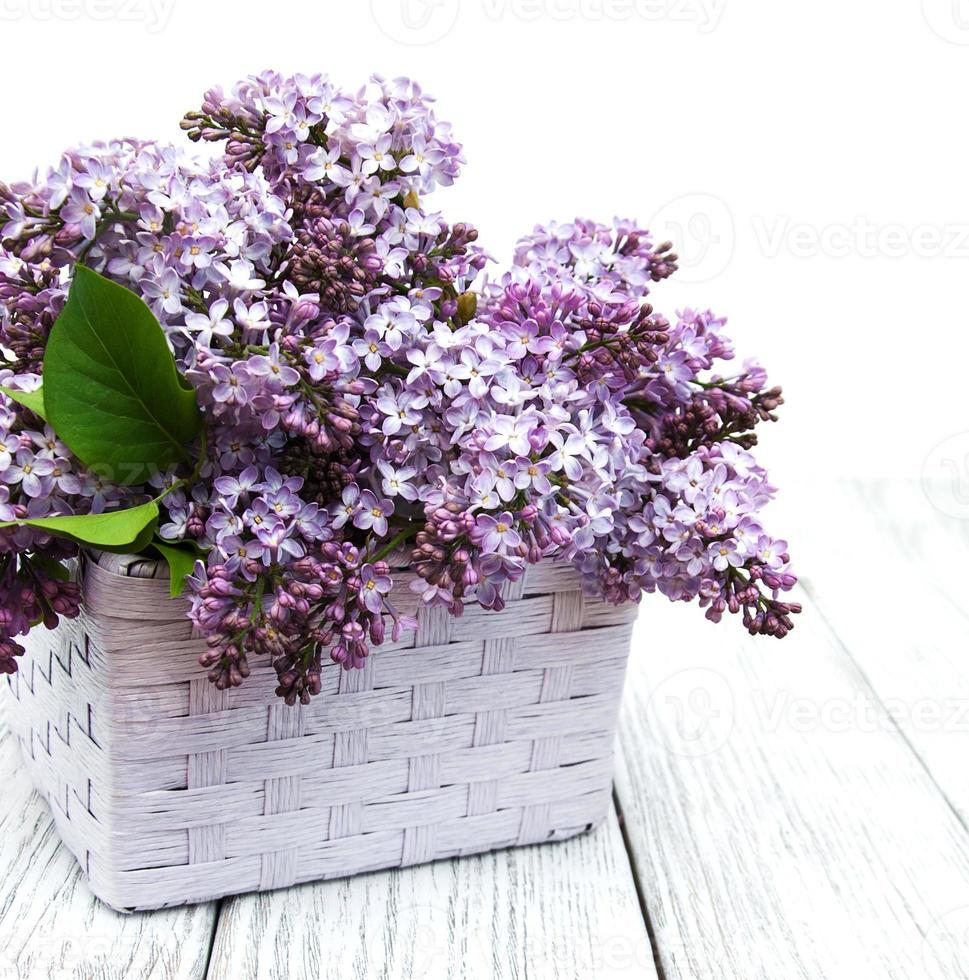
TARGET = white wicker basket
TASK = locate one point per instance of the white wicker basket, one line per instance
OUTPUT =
(477, 733)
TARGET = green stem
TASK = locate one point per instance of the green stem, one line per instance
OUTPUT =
(111, 216)
(404, 535)
(394, 368)
(187, 482)
(257, 600)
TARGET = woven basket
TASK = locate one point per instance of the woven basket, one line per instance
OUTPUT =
(477, 733)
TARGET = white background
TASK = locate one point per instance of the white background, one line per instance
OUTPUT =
(809, 160)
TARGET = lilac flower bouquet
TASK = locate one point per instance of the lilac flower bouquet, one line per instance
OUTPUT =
(279, 370)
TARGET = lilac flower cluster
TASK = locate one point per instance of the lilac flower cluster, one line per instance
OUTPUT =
(38, 478)
(366, 389)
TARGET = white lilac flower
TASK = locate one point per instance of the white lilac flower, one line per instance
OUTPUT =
(240, 276)
(207, 326)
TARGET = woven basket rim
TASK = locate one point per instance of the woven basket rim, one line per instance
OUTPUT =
(157, 568)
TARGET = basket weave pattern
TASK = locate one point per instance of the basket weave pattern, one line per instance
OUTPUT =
(486, 731)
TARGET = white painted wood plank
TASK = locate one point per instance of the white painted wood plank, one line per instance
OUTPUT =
(905, 621)
(562, 910)
(50, 923)
(776, 832)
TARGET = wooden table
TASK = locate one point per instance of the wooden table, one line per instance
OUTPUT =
(782, 810)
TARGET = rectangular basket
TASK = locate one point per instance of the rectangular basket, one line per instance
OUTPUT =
(487, 731)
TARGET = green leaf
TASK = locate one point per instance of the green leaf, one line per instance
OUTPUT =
(52, 569)
(121, 531)
(111, 387)
(181, 558)
(34, 400)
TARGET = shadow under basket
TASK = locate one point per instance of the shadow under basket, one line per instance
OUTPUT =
(475, 733)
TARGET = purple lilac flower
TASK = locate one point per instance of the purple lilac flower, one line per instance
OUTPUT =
(496, 533)
(373, 588)
(373, 513)
(363, 384)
